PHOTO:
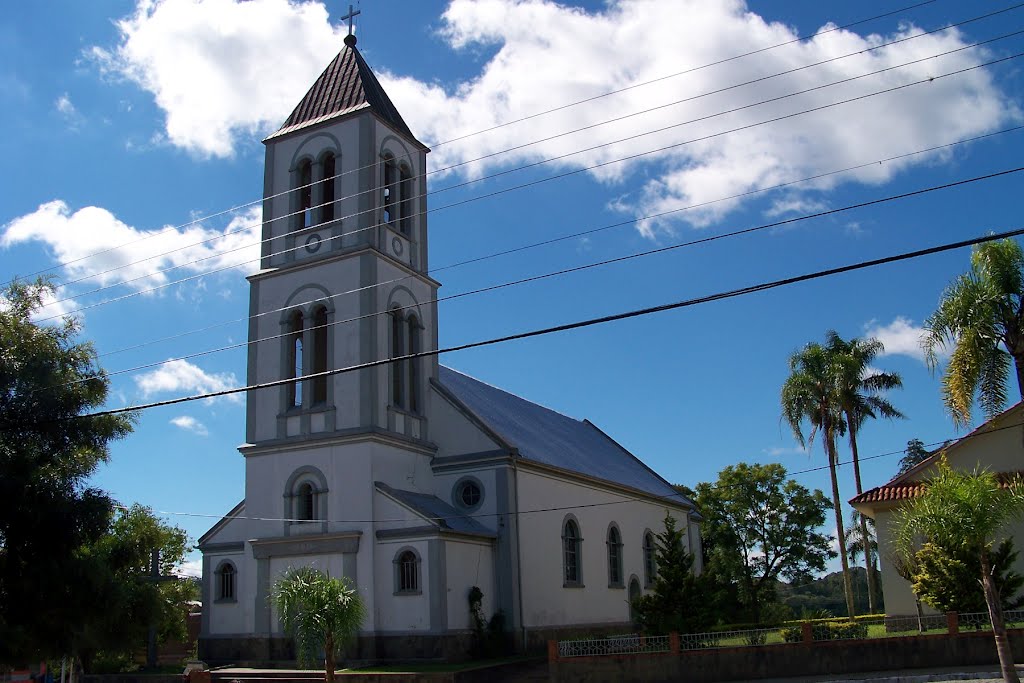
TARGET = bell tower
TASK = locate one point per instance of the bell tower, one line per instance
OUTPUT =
(343, 272)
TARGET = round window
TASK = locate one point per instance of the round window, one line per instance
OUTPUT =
(468, 494)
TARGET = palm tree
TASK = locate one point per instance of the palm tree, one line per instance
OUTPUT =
(963, 511)
(321, 613)
(859, 388)
(811, 394)
(862, 540)
(981, 315)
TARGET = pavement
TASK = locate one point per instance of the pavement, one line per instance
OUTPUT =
(981, 674)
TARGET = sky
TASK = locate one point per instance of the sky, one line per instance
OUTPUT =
(132, 168)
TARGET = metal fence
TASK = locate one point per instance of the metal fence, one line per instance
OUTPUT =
(627, 644)
(744, 638)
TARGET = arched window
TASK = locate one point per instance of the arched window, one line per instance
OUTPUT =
(405, 197)
(634, 593)
(407, 572)
(413, 365)
(397, 351)
(614, 557)
(307, 502)
(650, 566)
(225, 581)
(294, 360)
(319, 355)
(571, 547)
(327, 188)
(304, 188)
(391, 191)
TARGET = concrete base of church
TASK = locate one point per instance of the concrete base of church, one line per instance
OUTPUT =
(268, 651)
(536, 639)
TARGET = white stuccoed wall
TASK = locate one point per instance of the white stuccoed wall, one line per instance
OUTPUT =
(469, 564)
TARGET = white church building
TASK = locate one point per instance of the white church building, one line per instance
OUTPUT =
(414, 480)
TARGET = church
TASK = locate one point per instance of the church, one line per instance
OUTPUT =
(413, 480)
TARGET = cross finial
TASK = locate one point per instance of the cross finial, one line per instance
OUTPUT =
(352, 13)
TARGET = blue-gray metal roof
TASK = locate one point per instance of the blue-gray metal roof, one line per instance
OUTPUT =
(550, 438)
(436, 510)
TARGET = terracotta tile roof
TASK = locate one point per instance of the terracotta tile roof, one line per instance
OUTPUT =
(346, 85)
(907, 490)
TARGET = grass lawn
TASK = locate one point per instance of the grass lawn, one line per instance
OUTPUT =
(436, 667)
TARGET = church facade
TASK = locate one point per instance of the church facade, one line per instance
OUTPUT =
(415, 481)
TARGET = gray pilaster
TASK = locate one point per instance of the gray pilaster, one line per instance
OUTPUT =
(268, 208)
(505, 565)
(367, 202)
(251, 366)
(438, 572)
(348, 567)
(206, 596)
(369, 349)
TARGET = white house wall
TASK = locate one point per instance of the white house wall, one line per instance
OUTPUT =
(546, 603)
(467, 565)
(401, 613)
(453, 432)
(235, 616)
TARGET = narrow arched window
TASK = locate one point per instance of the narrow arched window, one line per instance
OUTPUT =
(650, 566)
(614, 557)
(294, 361)
(307, 502)
(226, 581)
(571, 546)
(405, 192)
(391, 190)
(327, 189)
(305, 192)
(319, 355)
(407, 567)
(397, 351)
(413, 365)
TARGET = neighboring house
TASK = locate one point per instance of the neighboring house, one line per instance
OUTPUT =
(996, 446)
(412, 479)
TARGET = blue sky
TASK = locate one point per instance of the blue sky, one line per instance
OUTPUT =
(129, 118)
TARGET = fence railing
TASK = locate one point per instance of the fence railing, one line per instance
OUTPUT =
(860, 628)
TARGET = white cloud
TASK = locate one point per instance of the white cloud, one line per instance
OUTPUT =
(64, 106)
(73, 238)
(180, 377)
(222, 69)
(776, 451)
(191, 568)
(900, 337)
(190, 424)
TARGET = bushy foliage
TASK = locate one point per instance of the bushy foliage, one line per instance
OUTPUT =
(948, 580)
(490, 638)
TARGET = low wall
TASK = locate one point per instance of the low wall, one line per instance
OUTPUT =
(791, 660)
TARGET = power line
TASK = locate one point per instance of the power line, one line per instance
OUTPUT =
(476, 180)
(544, 276)
(580, 324)
(507, 123)
(546, 242)
(566, 173)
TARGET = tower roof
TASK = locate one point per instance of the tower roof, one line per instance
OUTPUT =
(346, 86)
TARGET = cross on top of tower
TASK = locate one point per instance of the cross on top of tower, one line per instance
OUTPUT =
(350, 39)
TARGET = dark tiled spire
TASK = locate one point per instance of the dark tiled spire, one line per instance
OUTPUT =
(346, 85)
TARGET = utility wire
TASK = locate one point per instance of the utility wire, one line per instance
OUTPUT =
(560, 175)
(507, 123)
(532, 245)
(535, 278)
(484, 178)
(579, 324)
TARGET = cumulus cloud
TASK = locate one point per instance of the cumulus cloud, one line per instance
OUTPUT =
(190, 424)
(900, 337)
(221, 69)
(777, 451)
(93, 244)
(191, 568)
(180, 377)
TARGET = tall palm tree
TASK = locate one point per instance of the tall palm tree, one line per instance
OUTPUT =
(320, 612)
(981, 315)
(811, 395)
(964, 511)
(859, 395)
(862, 540)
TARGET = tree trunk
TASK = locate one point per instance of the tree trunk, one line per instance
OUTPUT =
(868, 563)
(995, 613)
(1018, 363)
(329, 658)
(830, 448)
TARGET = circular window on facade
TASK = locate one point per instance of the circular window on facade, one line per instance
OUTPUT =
(468, 494)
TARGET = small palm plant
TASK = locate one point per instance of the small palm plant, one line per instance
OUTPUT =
(321, 613)
(960, 511)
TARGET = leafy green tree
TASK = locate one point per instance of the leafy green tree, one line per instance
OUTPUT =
(947, 580)
(915, 454)
(677, 600)
(49, 382)
(762, 526)
(320, 612)
(811, 395)
(964, 512)
(981, 315)
(861, 397)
